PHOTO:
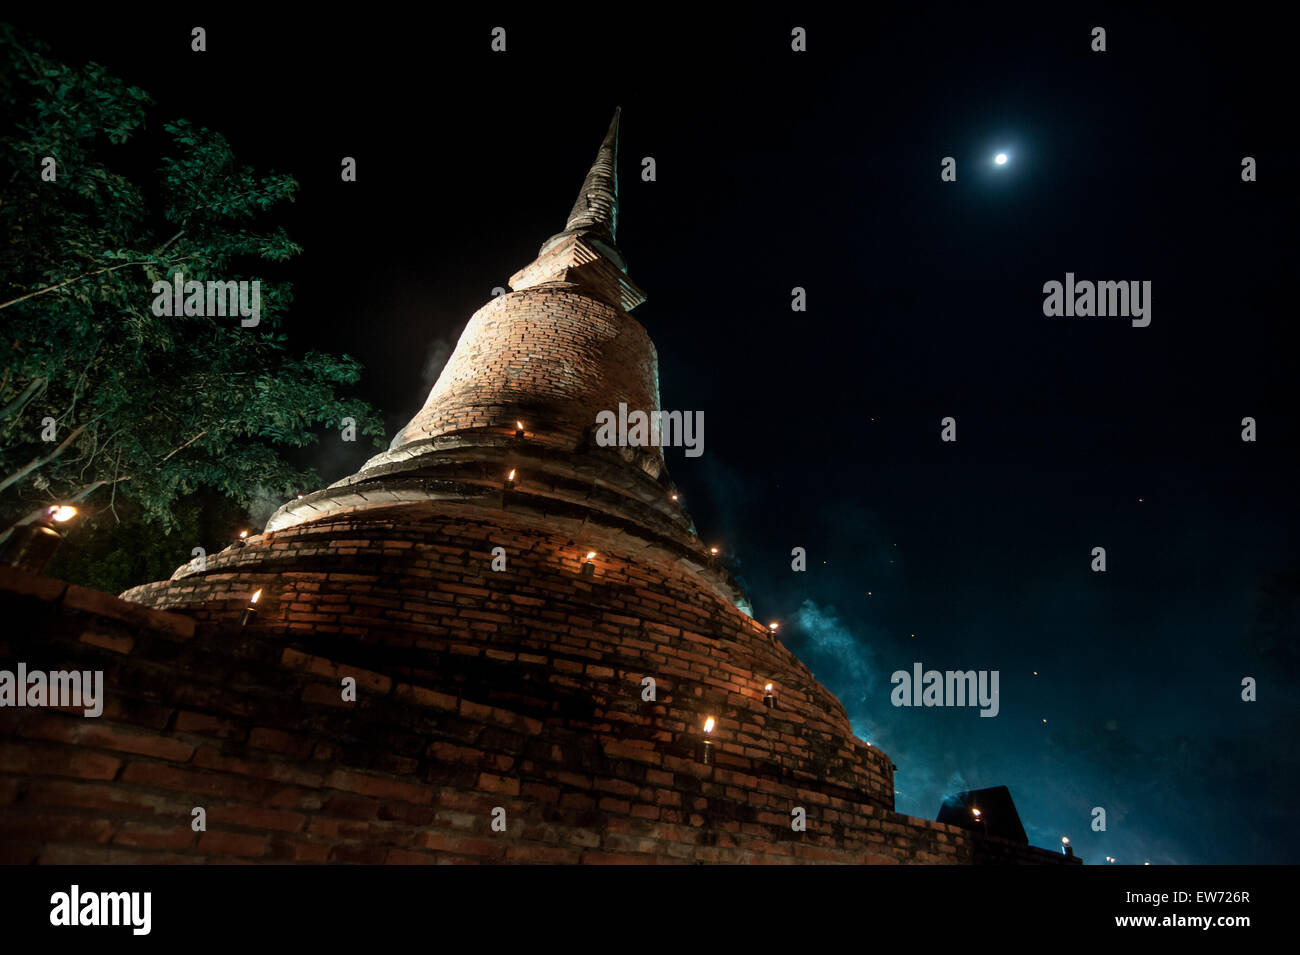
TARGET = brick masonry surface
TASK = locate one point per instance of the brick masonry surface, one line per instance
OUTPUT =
(475, 690)
(549, 355)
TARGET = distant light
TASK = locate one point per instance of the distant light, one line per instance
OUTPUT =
(63, 512)
(1000, 159)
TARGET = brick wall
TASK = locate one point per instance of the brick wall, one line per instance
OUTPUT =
(475, 690)
(549, 355)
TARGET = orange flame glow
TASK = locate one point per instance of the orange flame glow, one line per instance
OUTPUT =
(708, 725)
(255, 597)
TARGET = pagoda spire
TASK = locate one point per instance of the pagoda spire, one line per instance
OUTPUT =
(595, 212)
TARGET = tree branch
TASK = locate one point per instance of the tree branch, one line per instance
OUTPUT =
(86, 275)
(183, 446)
(20, 402)
(36, 463)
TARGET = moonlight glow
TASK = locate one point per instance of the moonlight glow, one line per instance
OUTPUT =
(1000, 159)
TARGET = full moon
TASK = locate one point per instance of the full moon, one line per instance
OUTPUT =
(1000, 159)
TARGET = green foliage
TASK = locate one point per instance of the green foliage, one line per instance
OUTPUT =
(171, 407)
(109, 555)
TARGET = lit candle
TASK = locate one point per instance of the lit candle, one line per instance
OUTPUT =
(239, 541)
(32, 545)
(250, 611)
(769, 696)
(771, 630)
(519, 429)
(588, 567)
(1065, 846)
(510, 480)
(705, 754)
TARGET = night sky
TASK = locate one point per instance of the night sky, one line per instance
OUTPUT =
(821, 169)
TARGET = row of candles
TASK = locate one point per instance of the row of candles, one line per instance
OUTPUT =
(62, 513)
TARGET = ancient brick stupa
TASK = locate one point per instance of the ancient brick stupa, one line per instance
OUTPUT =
(502, 589)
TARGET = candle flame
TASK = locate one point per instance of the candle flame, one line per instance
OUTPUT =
(519, 425)
(713, 550)
(1065, 840)
(243, 534)
(773, 626)
(255, 597)
(708, 725)
(975, 813)
(63, 512)
(768, 688)
(590, 554)
(510, 476)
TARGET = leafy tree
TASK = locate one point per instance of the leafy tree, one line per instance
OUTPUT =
(150, 411)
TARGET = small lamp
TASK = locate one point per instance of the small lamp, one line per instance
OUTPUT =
(705, 752)
(250, 611)
(31, 546)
